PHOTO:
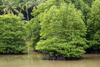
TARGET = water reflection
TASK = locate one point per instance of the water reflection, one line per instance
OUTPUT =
(35, 60)
(90, 60)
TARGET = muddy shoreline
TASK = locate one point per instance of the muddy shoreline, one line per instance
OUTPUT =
(61, 58)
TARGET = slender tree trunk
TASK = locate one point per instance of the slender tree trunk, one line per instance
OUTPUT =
(27, 17)
(7, 6)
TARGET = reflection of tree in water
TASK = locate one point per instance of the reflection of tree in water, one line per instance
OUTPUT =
(13, 57)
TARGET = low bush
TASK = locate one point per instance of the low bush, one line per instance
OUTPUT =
(12, 35)
(62, 32)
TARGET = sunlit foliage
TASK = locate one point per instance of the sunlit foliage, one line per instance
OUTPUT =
(93, 26)
(12, 35)
(62, 31)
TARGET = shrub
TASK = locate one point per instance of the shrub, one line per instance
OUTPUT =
(34, 30)
(62, 31)
(93, 26)
(12, 35)
(34, 26)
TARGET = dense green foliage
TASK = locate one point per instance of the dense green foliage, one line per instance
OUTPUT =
(79, 4)
(94, 26)
(89, 2)
(34, 30)
(12, 35)
(83, 6)
(62, 31)
(35, 23)
(46, 5)
(58, 27)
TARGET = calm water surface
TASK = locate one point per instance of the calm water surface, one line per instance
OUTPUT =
(34, 60)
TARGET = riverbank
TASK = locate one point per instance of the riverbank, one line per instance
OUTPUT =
(61, 58)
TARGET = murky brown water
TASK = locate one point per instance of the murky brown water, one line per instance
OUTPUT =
(34, 60)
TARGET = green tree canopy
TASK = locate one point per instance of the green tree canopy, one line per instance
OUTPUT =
(79, 4)
(83, 6)
(93, 26)
(89, 2)
(12, 35)
(46, 5)
(25, 5)
(34, 27)
(9, 6)
(62, 31)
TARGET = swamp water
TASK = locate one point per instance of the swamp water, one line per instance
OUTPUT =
(34, 59)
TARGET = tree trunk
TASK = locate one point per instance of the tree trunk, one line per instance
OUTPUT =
(27, 17)
(7, 6)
